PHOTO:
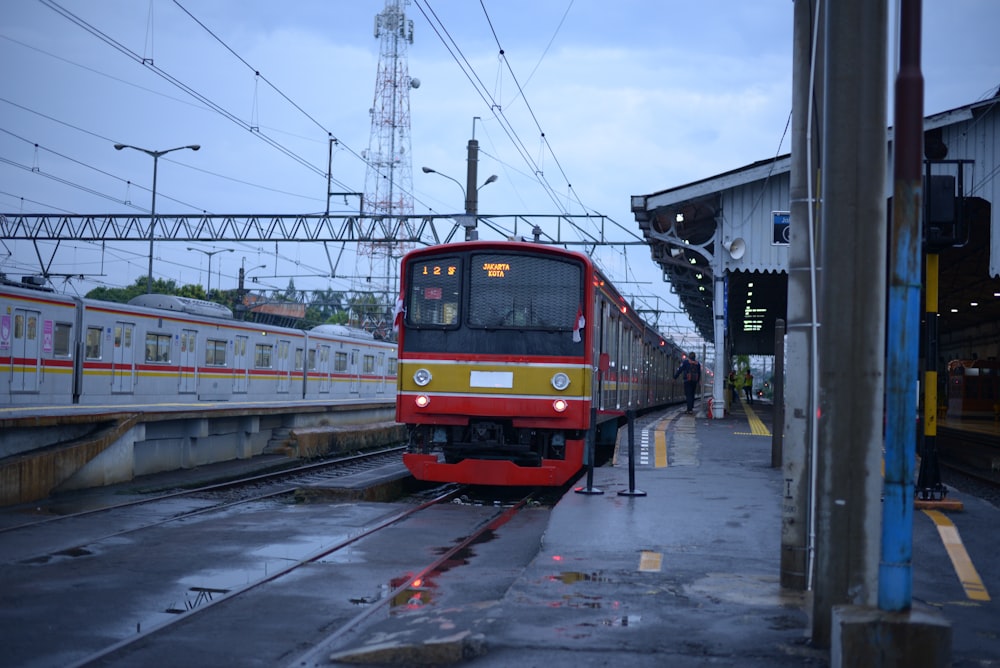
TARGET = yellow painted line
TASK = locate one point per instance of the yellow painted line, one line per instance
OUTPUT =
(757, 428)
(659, 448)
(650, 562)
(966, 572)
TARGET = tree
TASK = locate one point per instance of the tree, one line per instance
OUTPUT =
(160, 287)
(327, 306)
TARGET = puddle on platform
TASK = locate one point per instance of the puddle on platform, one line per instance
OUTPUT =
(756, 590)
(71, 552)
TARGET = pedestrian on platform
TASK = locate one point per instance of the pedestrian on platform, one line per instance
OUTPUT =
(748, 386)
(691, 371)
(733, 395)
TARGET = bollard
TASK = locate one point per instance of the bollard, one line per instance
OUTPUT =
(588, 455)
(632, 491)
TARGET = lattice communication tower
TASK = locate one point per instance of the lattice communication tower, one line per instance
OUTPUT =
(389, 176)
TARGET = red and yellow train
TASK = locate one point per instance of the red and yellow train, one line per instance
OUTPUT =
(973, 388)
(510, 354)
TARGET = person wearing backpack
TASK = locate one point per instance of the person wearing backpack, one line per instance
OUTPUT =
(690, 369)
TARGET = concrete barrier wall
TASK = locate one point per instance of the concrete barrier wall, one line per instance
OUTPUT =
(125, 447)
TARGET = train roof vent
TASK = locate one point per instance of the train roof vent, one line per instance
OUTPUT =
(32, 282)
(342, 330)
(183, 304)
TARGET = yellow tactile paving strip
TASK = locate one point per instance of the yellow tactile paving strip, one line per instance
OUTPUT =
(966, 572)
(757, 427)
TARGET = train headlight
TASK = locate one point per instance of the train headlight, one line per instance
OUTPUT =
(422, 400)
(560, 381)
(421, 377)
(560, 405)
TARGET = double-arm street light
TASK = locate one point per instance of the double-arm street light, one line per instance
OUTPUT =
(471, 198)
(208, 288)
(152, 210)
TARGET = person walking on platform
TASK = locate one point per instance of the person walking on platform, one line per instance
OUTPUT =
(691, 370)
(733, 394)
(748, 386)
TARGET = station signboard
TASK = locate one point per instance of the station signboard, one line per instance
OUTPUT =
(780, 221)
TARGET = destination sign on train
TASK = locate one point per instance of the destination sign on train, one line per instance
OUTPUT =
(496, 269)
(439, 270)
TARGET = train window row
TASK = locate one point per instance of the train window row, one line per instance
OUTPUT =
(639, 370)
(26, 329)
(158, 347)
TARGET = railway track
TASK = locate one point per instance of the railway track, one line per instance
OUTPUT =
(203, 576)
(144, 639)
(42, 539)
(970, 462)
(244, 488)
(167, 595)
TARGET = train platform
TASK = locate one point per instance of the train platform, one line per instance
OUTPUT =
(680, 568)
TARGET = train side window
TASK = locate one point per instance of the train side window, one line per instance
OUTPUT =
(298, 359)
(392, 366)
(94, 343)
(369, 364)
(339, 362)
(61, 338)
(262, 356)
(215, 353)
(157, 347)
(311, 359)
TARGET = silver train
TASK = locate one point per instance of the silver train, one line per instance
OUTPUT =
(158, 350)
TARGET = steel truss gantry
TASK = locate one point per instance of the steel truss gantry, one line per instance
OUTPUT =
(561, 229)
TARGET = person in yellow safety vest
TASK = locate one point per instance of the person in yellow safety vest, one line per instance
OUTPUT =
(748, 386)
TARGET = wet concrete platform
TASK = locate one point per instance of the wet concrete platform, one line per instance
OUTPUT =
(686, 574)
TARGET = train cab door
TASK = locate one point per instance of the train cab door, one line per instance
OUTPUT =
(241, 365)
(354, 370)
(123, 359)
(188, 361)
(323, 367)
(283, 366)
(26, 358)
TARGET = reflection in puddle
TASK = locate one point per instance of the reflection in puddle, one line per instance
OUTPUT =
(570, 577)
(301, 547)
(418, 594)
(202, 595)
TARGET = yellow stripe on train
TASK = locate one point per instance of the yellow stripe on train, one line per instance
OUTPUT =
(494, 378)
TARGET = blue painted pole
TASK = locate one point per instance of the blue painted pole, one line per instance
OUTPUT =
(895, 582)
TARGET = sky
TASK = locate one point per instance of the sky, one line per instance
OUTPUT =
(577, 105)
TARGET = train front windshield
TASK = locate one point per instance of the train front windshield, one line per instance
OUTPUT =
(495, 303)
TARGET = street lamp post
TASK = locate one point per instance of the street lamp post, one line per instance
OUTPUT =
(152, 218)
(208, 288)
(471, 200)
(244, 271)
(241, 307)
